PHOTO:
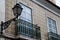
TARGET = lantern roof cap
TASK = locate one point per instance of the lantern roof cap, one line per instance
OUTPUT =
(17, 6)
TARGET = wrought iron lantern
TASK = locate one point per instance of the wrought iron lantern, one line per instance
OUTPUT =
(17, 9)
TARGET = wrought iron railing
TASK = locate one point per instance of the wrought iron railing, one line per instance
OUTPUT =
(28, 29)
(53, 36)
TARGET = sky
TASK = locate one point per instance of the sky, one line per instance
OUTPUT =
(58, 2)
(2, 10)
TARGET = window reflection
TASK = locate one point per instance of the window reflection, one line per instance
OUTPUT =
(52, 25)
(26, 14)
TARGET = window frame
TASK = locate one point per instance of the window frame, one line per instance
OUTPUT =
(48, 24)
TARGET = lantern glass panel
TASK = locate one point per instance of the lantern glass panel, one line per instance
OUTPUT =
(15, 11)
(19, 11)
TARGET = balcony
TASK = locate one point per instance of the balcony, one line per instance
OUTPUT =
(54, 36)
(28, 29)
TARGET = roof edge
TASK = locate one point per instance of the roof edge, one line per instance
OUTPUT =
(39, 4)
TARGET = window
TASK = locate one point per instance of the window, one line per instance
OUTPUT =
(26, 14)
(52, 25)
(25, 21)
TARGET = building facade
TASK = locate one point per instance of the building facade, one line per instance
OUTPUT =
(39, 20)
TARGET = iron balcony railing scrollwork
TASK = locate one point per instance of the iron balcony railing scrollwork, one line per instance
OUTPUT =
(54, 36)
(28, 29)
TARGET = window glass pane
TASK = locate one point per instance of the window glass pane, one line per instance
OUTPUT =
(49, 20)
(23, 14)
(23, 18)
(26, 14)
(52, 25)
(29, 21)
(23, 7)
(28, 10)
